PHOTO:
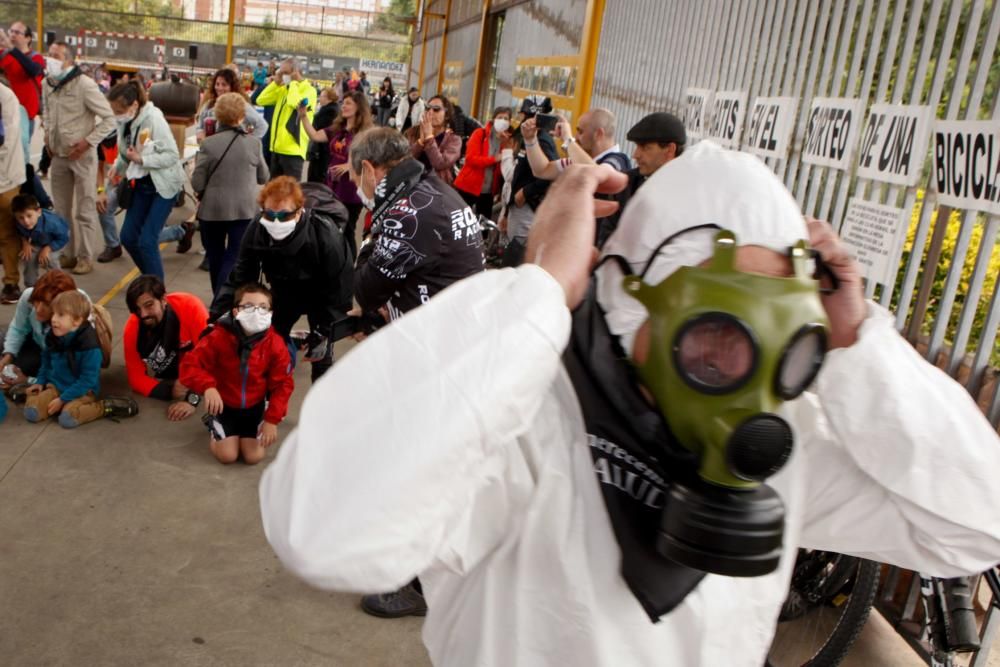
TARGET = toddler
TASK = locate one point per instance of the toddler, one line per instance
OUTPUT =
(43, 236)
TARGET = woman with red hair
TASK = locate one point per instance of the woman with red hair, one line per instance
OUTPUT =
(24, 339)
(304, 258)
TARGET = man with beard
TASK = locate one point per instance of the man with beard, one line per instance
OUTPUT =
(161, 330)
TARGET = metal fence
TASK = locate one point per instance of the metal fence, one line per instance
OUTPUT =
(345, 34)
(940, 53)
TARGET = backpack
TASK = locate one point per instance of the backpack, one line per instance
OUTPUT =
(103, 327)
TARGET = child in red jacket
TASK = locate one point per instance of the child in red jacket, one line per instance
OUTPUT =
(243, 369)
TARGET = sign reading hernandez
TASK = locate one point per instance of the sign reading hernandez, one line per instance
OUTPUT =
(894, 143)
(728, 111)
(967, 164)
(832, 131)
(873, 232)
(698, 106)
(772, 121)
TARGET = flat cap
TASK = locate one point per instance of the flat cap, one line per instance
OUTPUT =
(661, 127)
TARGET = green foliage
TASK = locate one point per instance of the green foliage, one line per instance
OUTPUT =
(393, 19)
(944, 263)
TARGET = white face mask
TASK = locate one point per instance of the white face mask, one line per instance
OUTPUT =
(278, 230)
(53, 67)
(254, 321)
(286, 79)
(501, 125)
(366, 201)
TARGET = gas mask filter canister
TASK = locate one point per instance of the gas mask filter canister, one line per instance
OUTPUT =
(726, 349)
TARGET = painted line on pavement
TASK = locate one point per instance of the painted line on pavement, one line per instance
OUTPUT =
(126, 279)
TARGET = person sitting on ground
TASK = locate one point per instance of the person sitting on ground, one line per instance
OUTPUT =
(532, 450)
(433, 142)
(305, 259)
(229, 168)
(43, 235)
(243, 369)
(68, 382)
(160, 331)
(25, 338)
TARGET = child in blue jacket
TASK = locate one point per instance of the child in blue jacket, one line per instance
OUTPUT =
(43, 236)
(69, 379)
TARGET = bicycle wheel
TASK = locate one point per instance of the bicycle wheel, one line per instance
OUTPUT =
(828, 604)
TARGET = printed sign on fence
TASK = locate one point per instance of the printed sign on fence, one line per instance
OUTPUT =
(894, 143)
(729, 108)
(967, 164)
(873, 232)
(832, 131)
(697, 110)
(772, 121)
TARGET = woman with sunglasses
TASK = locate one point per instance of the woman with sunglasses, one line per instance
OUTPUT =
(306, 262)
(355, 117)
(433, 142)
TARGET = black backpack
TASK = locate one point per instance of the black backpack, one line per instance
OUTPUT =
(324, 203)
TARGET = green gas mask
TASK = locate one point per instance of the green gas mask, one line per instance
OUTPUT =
(726, 349)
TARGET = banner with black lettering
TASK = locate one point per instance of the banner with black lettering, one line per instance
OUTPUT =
(772, 122)
(967, 164)
(729, 108)
(832, 131)
(873, 233)
(697, 112)
(894, 143)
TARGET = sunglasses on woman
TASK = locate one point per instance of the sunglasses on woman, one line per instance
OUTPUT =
(279, 216)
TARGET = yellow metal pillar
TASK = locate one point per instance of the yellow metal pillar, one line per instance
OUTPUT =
(230, 31)
(39, 31)
(477, 81)
(423, 49)
(444, 46)
(588, 53)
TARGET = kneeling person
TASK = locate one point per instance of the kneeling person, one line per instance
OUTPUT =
(69, 380)
(243, 368)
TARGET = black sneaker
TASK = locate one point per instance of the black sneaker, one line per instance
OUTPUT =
(110, 254)
(120, 407)
(10, 294)
(407, 601)
(185, 243)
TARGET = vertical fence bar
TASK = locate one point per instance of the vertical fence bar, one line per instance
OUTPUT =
(981, 360)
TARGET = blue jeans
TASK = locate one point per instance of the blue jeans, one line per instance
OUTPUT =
(141, 229)
(221, 240)
(109, 227)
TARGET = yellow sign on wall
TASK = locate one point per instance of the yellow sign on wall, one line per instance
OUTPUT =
(555, 77)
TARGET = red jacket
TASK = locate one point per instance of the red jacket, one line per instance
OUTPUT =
(215, 362)
(193, 317)
(28, 89)
(477, 159)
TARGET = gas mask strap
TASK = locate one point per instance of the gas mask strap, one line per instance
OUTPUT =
(656, 251)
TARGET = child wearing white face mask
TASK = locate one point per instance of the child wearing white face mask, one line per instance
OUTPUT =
(243, 369)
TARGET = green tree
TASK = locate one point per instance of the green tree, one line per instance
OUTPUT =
(394, 19)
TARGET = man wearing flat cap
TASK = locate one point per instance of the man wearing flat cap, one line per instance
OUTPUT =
(658, 139)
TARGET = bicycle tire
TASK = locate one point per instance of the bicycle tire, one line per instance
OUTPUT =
(855, 610)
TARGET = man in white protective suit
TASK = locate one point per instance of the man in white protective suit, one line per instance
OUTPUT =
(511, 442)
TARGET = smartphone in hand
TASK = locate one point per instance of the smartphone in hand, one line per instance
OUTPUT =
(546, 121)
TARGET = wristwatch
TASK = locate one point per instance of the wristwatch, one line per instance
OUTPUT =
(570, 140)
(192, 398)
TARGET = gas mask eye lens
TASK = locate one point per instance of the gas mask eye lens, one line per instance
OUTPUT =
(801, 361)
(715, 353)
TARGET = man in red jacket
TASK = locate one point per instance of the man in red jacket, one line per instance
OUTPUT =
(245, 372)
(161, 330)
(24, 68)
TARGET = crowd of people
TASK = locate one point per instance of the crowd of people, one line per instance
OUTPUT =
(484, 461)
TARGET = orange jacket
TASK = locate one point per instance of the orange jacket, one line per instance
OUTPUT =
(477, 159)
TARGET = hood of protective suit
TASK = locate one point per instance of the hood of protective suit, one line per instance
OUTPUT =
(707, 185)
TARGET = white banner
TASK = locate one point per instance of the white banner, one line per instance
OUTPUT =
(729, 108)
(967, 164)
(873, 232)
(772, 121)
(376, 70)
(697, 111)
(832, 131)
(894, 143)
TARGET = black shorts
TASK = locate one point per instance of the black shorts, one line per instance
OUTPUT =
(242, 422)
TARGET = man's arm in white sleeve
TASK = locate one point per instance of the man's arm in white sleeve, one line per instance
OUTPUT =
(396, 439)
(905, 471)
